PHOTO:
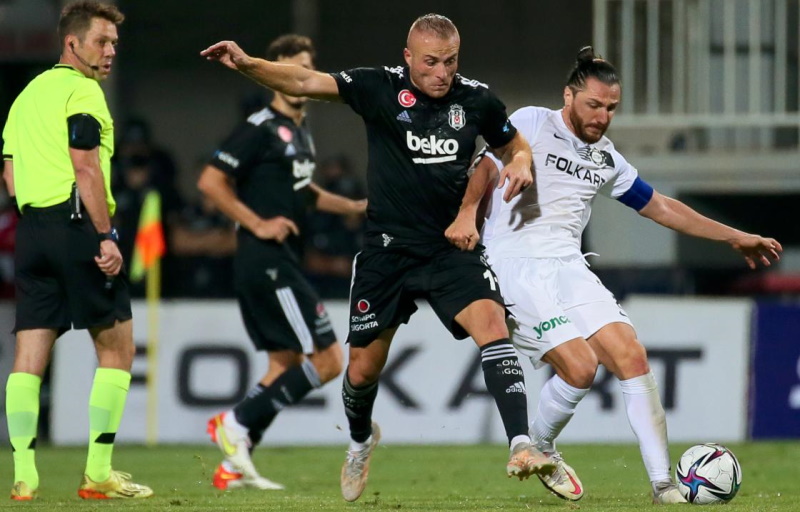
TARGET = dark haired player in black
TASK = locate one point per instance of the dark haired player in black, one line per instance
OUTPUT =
(261, 178)
(422, 121)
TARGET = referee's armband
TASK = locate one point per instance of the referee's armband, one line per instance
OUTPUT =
(84, 131)
(638, 195)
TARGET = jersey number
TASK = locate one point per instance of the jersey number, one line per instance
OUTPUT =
(492, 279)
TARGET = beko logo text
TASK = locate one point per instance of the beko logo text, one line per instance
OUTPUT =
(432, 146)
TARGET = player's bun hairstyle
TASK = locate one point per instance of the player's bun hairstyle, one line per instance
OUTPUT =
(76, 18)
(590, 65)
(436, 23)
(289, 45)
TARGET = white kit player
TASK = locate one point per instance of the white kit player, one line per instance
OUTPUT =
(562, 313)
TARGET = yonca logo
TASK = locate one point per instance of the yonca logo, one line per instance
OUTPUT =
(550, 324)
(432, 146)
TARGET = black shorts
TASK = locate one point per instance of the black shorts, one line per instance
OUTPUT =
(279, 308)
(386, 284)
(58, 282)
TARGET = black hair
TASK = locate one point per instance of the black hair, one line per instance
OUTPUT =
(590, 65)
(289, 45)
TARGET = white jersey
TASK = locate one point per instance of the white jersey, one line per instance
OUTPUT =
(547, 220)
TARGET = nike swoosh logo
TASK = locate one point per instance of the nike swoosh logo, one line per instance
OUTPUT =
(230, 476)
(560, 137)
(227, 447)
(575, 484)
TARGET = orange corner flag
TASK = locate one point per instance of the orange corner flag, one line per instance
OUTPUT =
(150, 245)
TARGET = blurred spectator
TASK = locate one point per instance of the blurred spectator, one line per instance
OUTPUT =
(203, 242)
(334, 240)
(135, 144)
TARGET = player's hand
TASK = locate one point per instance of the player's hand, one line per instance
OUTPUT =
(462, 232)
(277, 228)
(229, 54)
(519, 178)
(756, 249)
(110, 260)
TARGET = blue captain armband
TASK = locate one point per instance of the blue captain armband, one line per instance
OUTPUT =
(638, 195)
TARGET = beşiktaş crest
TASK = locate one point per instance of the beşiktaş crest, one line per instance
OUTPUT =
(457, 117)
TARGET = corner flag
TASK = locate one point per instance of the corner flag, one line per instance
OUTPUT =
(150, 244)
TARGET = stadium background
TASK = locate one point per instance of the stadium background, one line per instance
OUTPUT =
(736, 160)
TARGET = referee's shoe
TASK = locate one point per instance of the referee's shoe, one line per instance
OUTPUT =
(118, 485)
(22, 492)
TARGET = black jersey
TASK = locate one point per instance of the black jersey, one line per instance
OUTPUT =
(420, 149)
(272, 161)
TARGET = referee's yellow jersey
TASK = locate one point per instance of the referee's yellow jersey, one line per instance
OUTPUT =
(35, 137)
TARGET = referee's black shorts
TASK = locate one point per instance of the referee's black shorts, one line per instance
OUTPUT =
(58, 283)
(386, 284)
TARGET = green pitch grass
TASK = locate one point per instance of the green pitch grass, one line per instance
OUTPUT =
(410, 478)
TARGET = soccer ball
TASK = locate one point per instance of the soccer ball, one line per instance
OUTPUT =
(708, 473)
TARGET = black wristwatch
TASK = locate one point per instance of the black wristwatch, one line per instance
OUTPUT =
(111, 235)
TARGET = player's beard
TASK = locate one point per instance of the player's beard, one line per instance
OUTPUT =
(296, 104)
(580, 129)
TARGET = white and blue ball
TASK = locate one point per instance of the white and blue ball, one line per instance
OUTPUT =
(708, 473)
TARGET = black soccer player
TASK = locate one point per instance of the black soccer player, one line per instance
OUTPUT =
(422, 121)
(261, 178)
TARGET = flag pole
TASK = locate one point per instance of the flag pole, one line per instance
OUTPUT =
(153, 294)
(148, 250)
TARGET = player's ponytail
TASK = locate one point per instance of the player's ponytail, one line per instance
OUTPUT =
(590, 65)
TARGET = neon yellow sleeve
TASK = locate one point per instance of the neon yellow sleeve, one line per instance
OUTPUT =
(88, 98)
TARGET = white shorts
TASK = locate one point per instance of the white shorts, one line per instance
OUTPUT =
(553, 300)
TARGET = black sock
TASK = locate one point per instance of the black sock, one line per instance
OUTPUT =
(506, 383)
(262, 404)
(358, 404)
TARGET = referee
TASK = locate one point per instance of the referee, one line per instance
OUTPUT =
(57, 146)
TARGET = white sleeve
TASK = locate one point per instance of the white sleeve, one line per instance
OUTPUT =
(624, 176)
(527, 121)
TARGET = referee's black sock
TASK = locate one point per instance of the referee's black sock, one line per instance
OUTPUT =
(358, 402)
(263, 403)
(505, 382)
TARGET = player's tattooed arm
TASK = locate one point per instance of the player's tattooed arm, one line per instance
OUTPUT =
(678, 216)
(518, 161)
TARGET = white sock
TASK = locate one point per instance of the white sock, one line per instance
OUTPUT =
(517, 440)
(557, 403)
(355, 446)
(649, 423)
(230, 421)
